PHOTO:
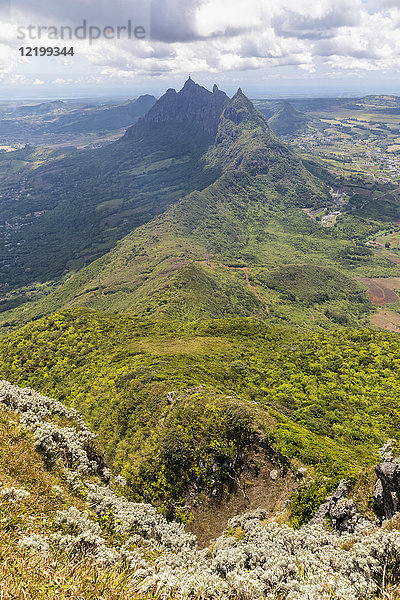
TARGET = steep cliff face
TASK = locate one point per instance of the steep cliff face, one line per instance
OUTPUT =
(192, 106)
(244, 140)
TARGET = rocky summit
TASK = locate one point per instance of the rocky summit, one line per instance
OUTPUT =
(192, 106)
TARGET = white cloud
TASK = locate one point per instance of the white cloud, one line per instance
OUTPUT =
(217, 36)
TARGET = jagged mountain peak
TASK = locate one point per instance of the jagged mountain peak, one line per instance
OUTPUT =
(191, 87)
(189, 83)
(193, 106)
(240, 97)
(241, 109)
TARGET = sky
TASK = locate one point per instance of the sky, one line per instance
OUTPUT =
(270, 48)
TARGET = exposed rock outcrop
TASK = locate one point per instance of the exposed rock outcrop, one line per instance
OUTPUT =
(387, 488)
(192, 106)
(339, 511)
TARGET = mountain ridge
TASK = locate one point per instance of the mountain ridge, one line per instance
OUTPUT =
(287, 120)
(193, 104)
(153, 166)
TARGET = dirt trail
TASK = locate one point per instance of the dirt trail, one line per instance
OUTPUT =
(249, 285)
(253, 289)
(246, 272)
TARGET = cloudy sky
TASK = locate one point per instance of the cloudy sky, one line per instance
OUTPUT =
(268, 47)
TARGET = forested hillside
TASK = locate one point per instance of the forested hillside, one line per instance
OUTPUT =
(180, 405)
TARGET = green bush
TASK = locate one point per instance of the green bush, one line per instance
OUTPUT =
(306, 500)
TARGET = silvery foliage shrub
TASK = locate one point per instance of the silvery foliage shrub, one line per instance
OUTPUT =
(120, 480)
(270, 559)
(265, 560)
(138, 518)
(51, 440)
(73, 478)
(188, 572)
(13, 494)
(79, 534)
(134, 559)
(35, 542)
(58, 491)
(107, 475)
(35, 408)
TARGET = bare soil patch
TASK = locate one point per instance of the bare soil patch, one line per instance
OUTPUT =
(381, 290)
(387, 319)
(253, 492)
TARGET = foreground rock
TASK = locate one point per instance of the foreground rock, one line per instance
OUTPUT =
(387, 488)
(340, 512)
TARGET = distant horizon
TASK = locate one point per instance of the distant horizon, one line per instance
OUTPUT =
(123, 95)
(282, 49)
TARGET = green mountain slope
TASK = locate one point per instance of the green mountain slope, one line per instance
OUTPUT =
(254, 179)
(173, 404)
(287, 120)
(266, 260)
(238, 246)
(88, 201)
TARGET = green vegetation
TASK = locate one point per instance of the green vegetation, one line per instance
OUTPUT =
(228, 358)
(287, 120)
(69, 191)
(160, 268)
(101, 195)
(329, 400)
(243, 212)
(307, 499)
(56, 542)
